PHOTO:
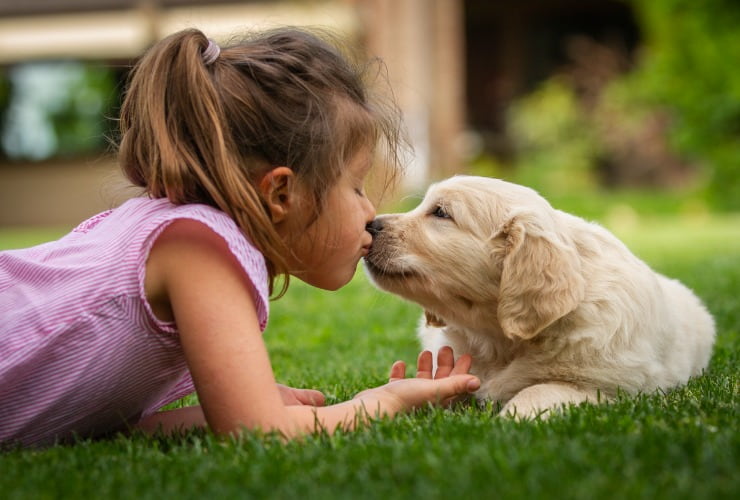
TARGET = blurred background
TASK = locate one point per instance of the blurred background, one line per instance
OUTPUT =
(601, 105)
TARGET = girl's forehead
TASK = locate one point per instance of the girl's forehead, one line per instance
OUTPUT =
(361, 162)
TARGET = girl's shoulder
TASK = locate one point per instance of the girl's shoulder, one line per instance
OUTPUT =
(143, 219)
(118, 242)
(150, 217)
(134, 226)
(143, 214)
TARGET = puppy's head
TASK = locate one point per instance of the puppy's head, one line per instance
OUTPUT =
(479, 250)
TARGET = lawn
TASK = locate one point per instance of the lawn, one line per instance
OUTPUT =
(684, 444)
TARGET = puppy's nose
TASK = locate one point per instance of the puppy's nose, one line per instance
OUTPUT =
(374, 227)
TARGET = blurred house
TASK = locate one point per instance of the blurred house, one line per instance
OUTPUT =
(454, 66)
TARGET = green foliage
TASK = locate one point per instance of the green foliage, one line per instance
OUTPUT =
(672, 123)
(681, 445)
(565, 149)
(689, 68)
(557, 145)
(56, 109)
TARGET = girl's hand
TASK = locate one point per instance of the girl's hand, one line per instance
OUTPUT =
(300, 397)
(450, 381)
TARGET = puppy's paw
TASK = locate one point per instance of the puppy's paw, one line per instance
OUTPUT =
(524, 410)
(541, 400)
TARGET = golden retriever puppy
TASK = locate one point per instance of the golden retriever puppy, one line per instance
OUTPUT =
(553, 309)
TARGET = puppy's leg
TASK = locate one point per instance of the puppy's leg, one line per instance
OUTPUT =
(541, 399)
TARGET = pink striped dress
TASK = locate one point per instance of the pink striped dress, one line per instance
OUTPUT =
(81, 352)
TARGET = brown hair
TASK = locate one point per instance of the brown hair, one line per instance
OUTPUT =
(205, 133)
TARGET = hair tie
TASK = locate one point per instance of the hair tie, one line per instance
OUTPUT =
(211, 52)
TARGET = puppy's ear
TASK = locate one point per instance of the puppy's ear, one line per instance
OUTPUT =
(541, 279)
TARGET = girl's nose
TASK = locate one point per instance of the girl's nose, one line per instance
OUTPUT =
(370, 211)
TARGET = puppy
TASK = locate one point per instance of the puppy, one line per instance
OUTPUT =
(554, 310)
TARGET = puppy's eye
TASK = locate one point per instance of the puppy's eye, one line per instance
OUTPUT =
(440, 212)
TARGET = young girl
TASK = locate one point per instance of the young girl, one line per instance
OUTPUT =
(253, 159)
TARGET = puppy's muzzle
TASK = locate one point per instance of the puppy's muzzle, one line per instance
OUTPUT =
(374, 227)
(376, 259)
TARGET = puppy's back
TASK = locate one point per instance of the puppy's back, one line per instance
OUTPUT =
(672, 323)
(694, 331)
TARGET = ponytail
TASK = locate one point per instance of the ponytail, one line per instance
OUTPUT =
(173, 141)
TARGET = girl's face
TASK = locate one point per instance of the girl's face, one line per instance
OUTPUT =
(327, 251)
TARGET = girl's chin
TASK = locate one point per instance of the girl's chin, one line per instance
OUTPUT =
(327, 282)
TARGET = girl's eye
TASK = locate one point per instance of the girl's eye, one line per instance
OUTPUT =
(360, 191)
(441, 213)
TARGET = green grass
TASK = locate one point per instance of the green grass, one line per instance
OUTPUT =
(684, 444)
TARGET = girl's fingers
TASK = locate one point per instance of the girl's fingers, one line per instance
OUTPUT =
(424, 365)
(446, 365)
(311, 397)
(462, 365)
(456, 385)
(292, 396)
(398, 371)
(445, 362)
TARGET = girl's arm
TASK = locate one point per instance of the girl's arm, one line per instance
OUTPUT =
(192, 416)
(338, 415)
(191, 271)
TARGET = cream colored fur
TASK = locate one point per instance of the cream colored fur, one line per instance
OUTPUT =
(553, 309)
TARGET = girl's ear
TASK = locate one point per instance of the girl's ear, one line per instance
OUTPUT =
(276, 188)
